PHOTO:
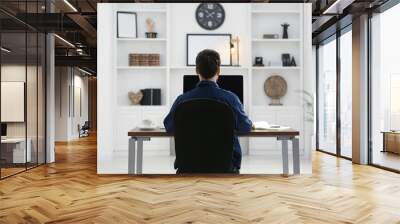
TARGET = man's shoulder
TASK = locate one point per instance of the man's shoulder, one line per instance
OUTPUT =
(232, 97)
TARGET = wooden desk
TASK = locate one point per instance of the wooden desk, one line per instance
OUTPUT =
(137, 137)
(391, 141)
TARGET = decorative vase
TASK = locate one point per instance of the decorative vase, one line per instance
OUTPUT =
(285, 34)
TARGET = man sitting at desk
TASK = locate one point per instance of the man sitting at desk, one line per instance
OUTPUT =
(208, 69)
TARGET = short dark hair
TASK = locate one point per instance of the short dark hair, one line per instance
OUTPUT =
(207, 63)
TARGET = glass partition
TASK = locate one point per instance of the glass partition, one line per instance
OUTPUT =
(13, 94)
(41, 107)
(32, 95)
(22, 77)
(327, 96)
(346, 94)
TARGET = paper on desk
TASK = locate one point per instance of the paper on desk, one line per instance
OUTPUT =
(263, 125)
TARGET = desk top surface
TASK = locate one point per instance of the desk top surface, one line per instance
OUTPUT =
(391, 132)
(13, 140)
(160, 132)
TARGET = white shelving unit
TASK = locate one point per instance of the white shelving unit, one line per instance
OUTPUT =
(143, 39)
(276, 11)
(277, 40)
(173, 22)
(141, 67)
(276, 68)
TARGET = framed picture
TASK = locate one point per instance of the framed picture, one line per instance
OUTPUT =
(126, 25)
(221, 43)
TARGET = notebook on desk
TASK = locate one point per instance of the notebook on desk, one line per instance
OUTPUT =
(263, 125)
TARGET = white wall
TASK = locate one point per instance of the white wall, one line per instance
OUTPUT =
(236, 23)
(33, 126)
(67, 115)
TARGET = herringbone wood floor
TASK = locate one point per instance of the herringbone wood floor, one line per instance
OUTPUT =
(70, 191)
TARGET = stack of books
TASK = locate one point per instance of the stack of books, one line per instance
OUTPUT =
(144, 59)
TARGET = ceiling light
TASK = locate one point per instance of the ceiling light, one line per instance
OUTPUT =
(84, 71)
(337, 7)
(5, 50)
(70, 5)
(64, 40)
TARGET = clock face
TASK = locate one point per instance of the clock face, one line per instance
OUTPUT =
(210, 16)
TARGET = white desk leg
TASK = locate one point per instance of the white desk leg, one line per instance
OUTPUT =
(139, 156)
(296, 156)
(285, 157)
(172, 147)
(132, 155)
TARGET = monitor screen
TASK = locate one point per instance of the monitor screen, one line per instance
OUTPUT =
(3, 129)
(233, 83)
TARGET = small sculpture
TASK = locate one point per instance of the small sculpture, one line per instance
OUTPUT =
(258, 61)
(275, 87)
(150, 24)
(135, 97)
(285, 34)
(293, 62)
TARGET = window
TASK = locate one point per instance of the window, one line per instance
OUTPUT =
(335, 94)
(327, 97)
(385, 90)
(346, 75)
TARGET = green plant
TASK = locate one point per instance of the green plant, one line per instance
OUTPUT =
(308, 100)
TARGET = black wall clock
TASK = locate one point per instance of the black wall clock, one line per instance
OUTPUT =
(210, 16)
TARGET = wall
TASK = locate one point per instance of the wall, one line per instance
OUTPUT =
(92, 107)
(12, 73)
(33, 127)
(71, 87)
(116, 115)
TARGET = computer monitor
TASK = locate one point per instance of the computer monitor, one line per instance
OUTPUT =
(3, 129)
(233, 83)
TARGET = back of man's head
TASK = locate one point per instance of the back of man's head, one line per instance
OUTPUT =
(207, 63)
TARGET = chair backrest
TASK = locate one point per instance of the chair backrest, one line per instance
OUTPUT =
(204, 132)
(86, 125)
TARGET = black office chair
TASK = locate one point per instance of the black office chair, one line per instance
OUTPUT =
(84, 129)
(204, 132)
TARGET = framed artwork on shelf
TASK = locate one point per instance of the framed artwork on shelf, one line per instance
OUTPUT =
(126, 25)
(218, 42)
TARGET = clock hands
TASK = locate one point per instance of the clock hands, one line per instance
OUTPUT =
(210, 16)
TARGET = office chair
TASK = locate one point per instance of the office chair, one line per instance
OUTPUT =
(84, 130)
(204, 132)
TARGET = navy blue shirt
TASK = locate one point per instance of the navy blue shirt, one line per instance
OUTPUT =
(211, 90)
